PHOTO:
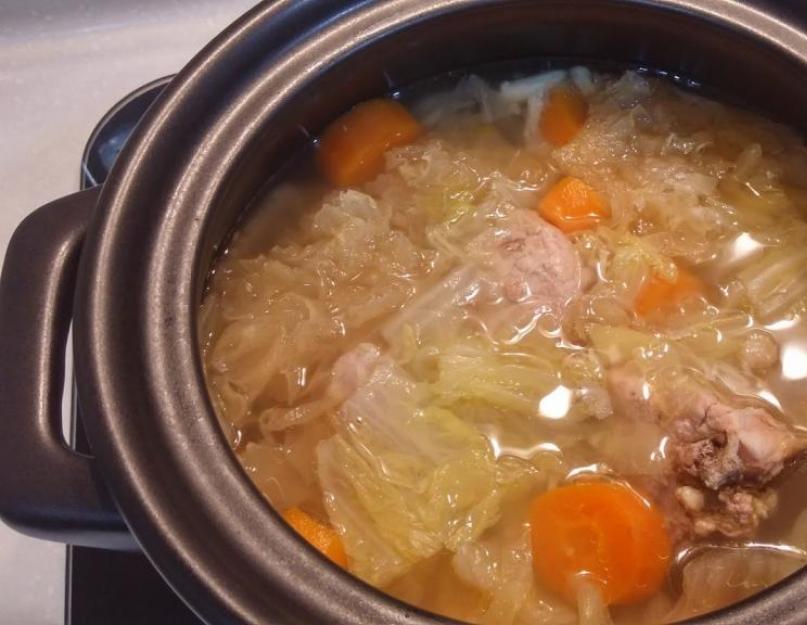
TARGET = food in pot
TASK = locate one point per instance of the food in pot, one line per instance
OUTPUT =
(530, 351)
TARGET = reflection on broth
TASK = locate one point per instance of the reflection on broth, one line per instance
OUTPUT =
(529, 351)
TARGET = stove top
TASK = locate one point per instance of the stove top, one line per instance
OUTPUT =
(109, 587)
(114, 588)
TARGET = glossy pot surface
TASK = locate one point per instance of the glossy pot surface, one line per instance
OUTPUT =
(229, 120)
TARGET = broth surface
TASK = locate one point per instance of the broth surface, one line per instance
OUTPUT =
(517, 304)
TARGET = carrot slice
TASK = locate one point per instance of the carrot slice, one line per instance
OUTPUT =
(320, 536)
(351, 150)
(573, 205)
(605, 531)
(659, 295)
(563, 115)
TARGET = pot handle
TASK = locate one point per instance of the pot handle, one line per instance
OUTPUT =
(47, 490)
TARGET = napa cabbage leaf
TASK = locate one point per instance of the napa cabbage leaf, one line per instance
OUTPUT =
(404, 479)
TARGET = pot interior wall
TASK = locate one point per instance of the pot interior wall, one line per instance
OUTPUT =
(724, 62)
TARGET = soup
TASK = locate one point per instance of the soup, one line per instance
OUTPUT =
(529, 351)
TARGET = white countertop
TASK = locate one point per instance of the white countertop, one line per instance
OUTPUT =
(63, 64)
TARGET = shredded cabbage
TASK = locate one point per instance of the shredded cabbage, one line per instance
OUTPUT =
(500, 564)
(775, 280)
(618, 344)
(403, 480)
(590, 605)
(473, 371)
(522, 89)
(719, 577)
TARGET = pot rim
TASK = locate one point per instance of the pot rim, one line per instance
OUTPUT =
(231, 558)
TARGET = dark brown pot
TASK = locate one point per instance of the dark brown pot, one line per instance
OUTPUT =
(132, 290)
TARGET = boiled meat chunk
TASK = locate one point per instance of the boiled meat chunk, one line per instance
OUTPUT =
(736, 512)
(531, 262)
(729, 445)
(351, 370)
(630, 395)
(516, 270)
(723, 456)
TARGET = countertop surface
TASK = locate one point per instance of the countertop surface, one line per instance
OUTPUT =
(63, 64)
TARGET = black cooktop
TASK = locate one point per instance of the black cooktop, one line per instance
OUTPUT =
(109, 587)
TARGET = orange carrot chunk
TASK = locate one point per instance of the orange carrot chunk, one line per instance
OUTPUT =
(351, 150)
(320, 536)
(604, 531)
(659, 295)
(573, 205)
(563, 115)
